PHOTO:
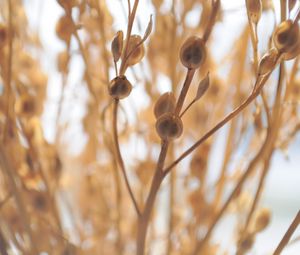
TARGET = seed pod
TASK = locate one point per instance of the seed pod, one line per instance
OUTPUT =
(165, 103)
(25, 106)
(120, 87)
(137, 52)
(169, 126)
(262, 220)
(3, 35)
(268, 62)
(246, 243)
(293, 52)
(202, 87)
(286, 36)
(254, 9)
(67, 4)
(64, 28)
(117, 46)
(192, 52)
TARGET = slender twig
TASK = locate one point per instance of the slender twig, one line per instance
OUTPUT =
(288, 235)
(143, 220)
(230, 116)
(212, 19)
(187, 107)
(128, 34)
(3, 202)
(119, 156)
(188, 79)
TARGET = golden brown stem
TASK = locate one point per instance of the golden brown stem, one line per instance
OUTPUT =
(288, 234)
(144, 218)
(128, 34)
(188, 79)
(212, 19)
(119, 156)
(229, 117)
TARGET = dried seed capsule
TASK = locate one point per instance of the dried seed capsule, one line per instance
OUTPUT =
(192, 52)
(268, 62)
(286, 36)
(137, 52)
(25, 106)
(254, 9)
(3, 35)
(165, 103)
(117, 46)
(120, 87)
(67, 4)
(64, 28)
(245, 244)
(262, 220)
(169, 126)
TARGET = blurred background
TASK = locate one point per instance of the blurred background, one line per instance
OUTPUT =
(282, 190)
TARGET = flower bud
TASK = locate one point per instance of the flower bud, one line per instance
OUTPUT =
(120, 87)
(268, 62)
(254, 9)
(165, 103)
(286, 36)
(192, 52)
(169, 126)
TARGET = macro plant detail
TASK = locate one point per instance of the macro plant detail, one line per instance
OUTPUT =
(153, 100)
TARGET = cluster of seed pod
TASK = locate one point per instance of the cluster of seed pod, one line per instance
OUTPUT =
(169, 124)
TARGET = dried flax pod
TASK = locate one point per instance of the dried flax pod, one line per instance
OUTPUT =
(120, 87)
(192, 52)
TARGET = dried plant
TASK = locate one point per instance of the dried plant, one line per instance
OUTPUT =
(107, 198)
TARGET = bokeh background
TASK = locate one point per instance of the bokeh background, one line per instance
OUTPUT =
(282, 190)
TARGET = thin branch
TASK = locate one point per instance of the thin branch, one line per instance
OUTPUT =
(119, 156)
(188, 107)
(128, 34)
(288, 234)
(230, 116)
(188, 79)
(212, 19)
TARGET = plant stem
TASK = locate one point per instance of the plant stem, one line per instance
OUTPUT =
(288, 234)
(119, 156)
(212, 19)
(143, 220)
(188, 79)
(230, 116)
(131, 17)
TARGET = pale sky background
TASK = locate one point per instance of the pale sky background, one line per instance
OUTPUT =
(282, 192)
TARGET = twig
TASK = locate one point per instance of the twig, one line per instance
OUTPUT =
(119, 156)
(212, 19)
(188, 79)
(128, 34)
(230, 116)
(288, 234)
